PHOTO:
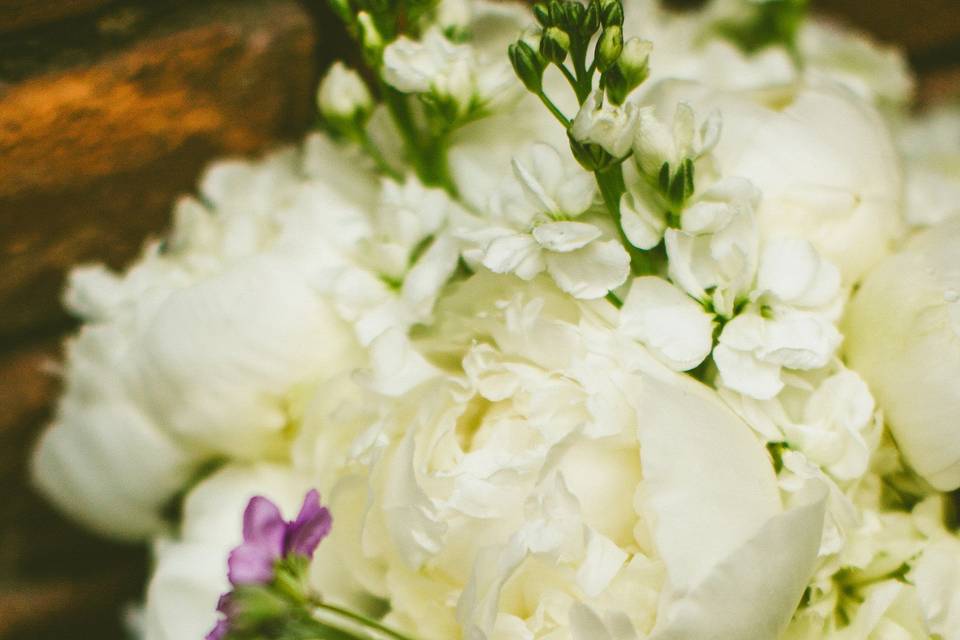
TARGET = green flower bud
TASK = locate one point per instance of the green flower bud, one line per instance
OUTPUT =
(554, 45)
(629, 71)
(343, 10)
(370, 38)
(609, 47)
(634, 61)
(528, 65)
(574, 14)
(591, 19)
(542, 14)
(556, 12)
(591, 156)
(611, 13)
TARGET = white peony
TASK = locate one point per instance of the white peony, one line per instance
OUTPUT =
(903, 336)
(822, 157)
(500, 484)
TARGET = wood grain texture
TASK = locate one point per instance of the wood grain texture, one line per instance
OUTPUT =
(92, 156)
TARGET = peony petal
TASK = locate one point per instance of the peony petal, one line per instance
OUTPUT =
(753, 591)
(703, 472)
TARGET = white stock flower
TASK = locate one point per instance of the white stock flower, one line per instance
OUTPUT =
(608, 125)
(343, 94)
(656, 143)
(902, 333)
(789, 323)
(535, 234)
(669, 322)
(501, 485)
(822, 157)
(467, 75)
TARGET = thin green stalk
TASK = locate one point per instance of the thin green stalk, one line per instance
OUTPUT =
(372, 150)
(612, 187)
(554, 110)
(363, 621)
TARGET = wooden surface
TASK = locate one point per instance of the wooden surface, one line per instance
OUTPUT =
(108, 110)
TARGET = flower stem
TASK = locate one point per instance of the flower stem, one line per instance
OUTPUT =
(554, 110)
(612, 187)
(365, 622)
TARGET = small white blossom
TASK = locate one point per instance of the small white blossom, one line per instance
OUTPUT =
(608, 125)
(672, 325)
(656, 143)
(343, 94)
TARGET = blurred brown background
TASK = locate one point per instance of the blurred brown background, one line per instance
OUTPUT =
(108, 110)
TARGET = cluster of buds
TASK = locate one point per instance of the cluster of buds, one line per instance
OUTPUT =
(567, 29)
(373, 23)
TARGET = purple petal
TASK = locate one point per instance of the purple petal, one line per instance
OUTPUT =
(251, 563)
(218, 632)
(312, 525)
(263, 524)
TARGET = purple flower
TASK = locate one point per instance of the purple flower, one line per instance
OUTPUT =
(267, 537)
(218, 632)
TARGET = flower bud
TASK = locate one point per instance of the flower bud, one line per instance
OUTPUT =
(629, 71)
(609, 47)
(370, 38)
(591, 19)
(611, 13)
(542, 13)
(554, 45)
(342, 9)
(343, 96)
(528, 65)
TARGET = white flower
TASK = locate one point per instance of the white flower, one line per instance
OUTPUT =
(716, 250)
(937, 576)
(538, 236)
(608, 125)
(823, 159)
(753, 350)
(669, 322)
(455, 73)
(343, 94)
(656, 143)
(903, 336)
(500, 485)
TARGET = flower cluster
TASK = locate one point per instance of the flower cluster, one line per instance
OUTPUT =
(589, 320)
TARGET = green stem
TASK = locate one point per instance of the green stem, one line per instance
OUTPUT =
(363, 621)
(612, 187)
(399, 110)
(554, 110)
(363, 138)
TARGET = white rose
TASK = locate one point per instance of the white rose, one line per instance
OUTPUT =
(903, 336)
(822, 157)
(547, 467)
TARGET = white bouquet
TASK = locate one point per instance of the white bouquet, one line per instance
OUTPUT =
(589, 321)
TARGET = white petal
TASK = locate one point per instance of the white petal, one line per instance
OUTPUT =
(788, 267)
(752, 592)
(565, 236)
(642, 226)
(590, 272)
(704, 471)
(518, 253)
(742, 372)
(668, 321)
